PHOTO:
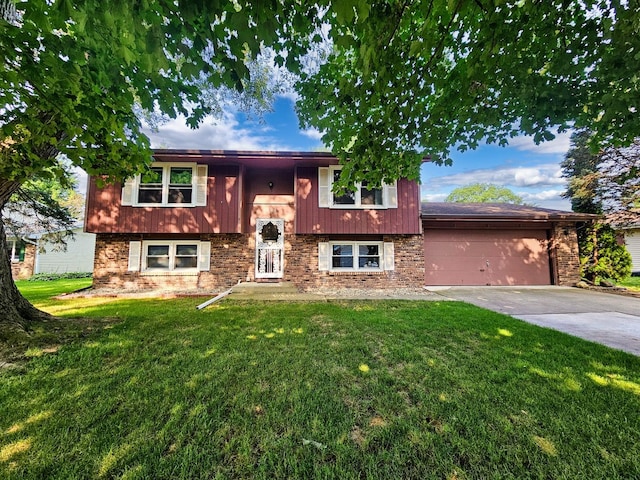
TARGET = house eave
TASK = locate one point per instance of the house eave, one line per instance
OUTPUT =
(498, 212)
(528, 219)
(256, 159)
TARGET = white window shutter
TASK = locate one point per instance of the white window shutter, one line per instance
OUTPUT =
(135, 249)
(202, 176)
(204, 257)
(324, 187)
(128, 191)
(389, 256)
(323, 256)
(391, 195)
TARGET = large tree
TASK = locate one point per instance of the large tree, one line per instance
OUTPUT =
(606, 182)
(403, 78)
(484, 193)
(71, 74)
(422, 76)
(598, 185)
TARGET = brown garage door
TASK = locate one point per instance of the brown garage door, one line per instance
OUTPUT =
(486, 257)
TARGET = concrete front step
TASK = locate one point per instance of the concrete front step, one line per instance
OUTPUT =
(256, 290)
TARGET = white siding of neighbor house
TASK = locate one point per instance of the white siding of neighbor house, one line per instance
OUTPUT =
(77, 258)
(632, 240)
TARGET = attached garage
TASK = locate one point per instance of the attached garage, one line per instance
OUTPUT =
(486, 257)
(499, 244)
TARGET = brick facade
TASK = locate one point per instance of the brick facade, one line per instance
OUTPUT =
(302, 265)
(232, 260)
(25, 268)
(565, 256)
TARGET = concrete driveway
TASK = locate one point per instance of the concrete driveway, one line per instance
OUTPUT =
(612, 320)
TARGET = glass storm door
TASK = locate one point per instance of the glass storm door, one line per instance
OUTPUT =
(269, 247)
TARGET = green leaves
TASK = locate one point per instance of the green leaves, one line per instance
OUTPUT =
(484, 193)
(71, 75)
(405, 79)
(429, 75)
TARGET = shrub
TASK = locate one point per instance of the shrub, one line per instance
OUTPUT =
(601, 255)
(47, 277)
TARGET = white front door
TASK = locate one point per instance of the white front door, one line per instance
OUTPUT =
(269, 247)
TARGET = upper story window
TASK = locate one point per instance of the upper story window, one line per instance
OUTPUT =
(364, 197)
(166, 184)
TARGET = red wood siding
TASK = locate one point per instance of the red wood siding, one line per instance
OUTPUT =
(263, 201)
(105, 214)
(310, 218)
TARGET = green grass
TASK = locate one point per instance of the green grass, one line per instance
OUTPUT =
(46, 337)
(631, 283)
(41, 292)
(345, 389)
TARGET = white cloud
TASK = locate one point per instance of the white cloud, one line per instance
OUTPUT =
(542, 195)
(289, 94)
(312, 133)
(81, 179)
(551, 198)
(540, 175)
(223, 134)
(434, 197)
(558, 145)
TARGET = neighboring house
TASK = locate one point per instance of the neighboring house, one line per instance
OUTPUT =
(22, 254)
(38, 254)
(77, 257)
(208, 219)
(632, 241)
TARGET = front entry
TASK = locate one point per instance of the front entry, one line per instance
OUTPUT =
(269, 247)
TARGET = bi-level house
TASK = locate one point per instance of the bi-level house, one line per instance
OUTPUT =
(208, 219)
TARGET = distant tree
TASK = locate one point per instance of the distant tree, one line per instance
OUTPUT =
(484, 193)
(580, 167)
(592, 188)
(619, 183)
(44, 206)
(607, 182)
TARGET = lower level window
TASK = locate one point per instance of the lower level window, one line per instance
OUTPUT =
(16, 250)
(170, 256)
(356, 256)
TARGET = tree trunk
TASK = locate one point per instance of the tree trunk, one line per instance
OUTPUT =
(16, 312)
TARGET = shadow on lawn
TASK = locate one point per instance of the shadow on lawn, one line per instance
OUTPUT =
(337, 390)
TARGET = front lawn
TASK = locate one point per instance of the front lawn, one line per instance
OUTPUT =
(631, 283)
(344, 389)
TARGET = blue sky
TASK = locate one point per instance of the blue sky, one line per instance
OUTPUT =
(532, 171)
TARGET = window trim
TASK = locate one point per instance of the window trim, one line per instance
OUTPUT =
(14, 251)
(199, 179)
(144, 268)
(357, 194)
(356, 255)
(326, 198)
